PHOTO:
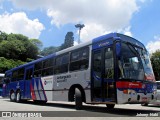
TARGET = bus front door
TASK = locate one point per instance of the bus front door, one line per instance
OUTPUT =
(103, 85)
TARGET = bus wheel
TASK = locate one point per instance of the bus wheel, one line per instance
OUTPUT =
(12, 96)
(144, 104)
(110, 106)
(18, 97)
(78, 99)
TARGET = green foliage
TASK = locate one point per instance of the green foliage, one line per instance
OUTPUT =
(37, 43)
(29, 60)
(16, 49)
(3, 36)
(49, 50)
(31, 51)
(155, 59)
(6, 64)
(11, 49)
(68, 42)
(16, 37)
(19, 50)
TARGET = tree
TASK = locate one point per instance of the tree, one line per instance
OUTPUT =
(155, 60)
(68, 42)
(11, 49)
(17, 37)
(6, 64)
(3, 36)
(37, 43)
(18, 50)
(49, 50)
(18, 47)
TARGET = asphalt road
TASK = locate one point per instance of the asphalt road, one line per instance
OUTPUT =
(67, 109)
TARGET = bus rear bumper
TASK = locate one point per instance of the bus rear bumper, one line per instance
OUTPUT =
(132, 98)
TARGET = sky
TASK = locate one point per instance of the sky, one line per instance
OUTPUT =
(50, 20)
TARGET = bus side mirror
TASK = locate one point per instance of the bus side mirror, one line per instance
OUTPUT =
(6, 80)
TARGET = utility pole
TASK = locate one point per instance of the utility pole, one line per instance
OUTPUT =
(80, 26)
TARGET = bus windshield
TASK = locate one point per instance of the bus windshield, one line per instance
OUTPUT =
(149, 75)
(130, 63)
(134, 63)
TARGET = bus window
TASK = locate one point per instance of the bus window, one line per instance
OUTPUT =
(97, 68)
(149, 75)
(14, 75)
(38, 69)
(8, 76)
(79, 59)
(29, 74)
(64, 63)
(47, 71)
(38, 66)
(48, 67)
(61, 64)
(109, 63)
(20, 74)
(48, 63)
(97, 64)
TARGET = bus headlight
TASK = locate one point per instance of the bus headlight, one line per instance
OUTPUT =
(129, 91)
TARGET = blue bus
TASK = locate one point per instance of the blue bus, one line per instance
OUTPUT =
(111, 69)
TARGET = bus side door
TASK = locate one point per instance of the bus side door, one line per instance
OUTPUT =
(103, 84)
(28, 80)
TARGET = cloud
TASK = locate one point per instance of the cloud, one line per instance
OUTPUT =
(126, 31)
(112, 14)
(152, 46)
(20, 23)
(90, 31)
(75, 43)
(99, 17)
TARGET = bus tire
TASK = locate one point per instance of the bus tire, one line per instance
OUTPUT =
(78, 99)
(110, 106)
(18, 97)
(12, 96)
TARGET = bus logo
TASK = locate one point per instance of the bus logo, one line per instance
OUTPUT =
(47, 82)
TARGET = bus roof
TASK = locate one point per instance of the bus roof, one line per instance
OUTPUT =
(95, 40)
